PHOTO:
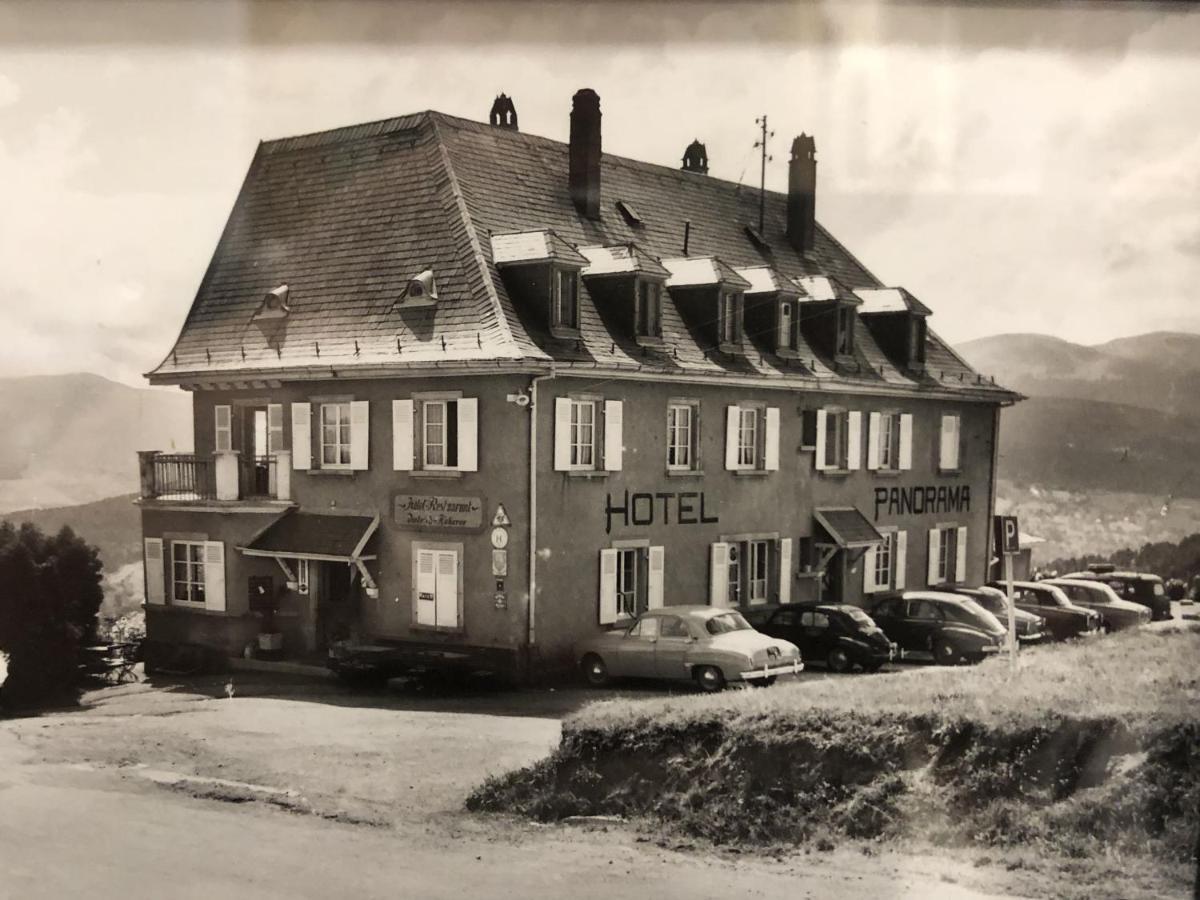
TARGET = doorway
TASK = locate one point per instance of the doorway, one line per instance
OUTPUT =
(335, 608)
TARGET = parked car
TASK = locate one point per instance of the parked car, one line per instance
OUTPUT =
(950, 627)
(1115, 614)
(1136, 587)
(1063, 618)
(705, 644)
(842, 635)
(1031, 629)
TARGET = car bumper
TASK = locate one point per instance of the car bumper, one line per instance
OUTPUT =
(795, 667)
(1039, 638)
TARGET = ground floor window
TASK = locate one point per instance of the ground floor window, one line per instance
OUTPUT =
(187, 572)
(629, 598)
(631, 581)
(746, 571)
(886, 563)
(946, 554)
(759, 554)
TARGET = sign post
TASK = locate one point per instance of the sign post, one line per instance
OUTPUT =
(1008, 544)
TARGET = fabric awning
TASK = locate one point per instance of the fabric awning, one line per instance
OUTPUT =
(320, 536)
(848, 528)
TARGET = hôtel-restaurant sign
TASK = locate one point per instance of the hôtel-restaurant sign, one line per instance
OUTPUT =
(437, 512)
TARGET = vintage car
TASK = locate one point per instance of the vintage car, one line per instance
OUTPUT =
(1031, 629)
(1064, 619)
(1115, 614)
(841, 635)
(1137, 587)
(951, 628)
(705, 644)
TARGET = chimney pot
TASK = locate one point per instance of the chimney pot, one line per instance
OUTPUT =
(504, 113)
(802, 194)
(695, 158)
(584, 155)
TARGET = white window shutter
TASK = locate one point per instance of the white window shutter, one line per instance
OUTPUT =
(870, 586)
(785, 570)
(901, 560)
(301, 436)
(562, 434)
(614, 435)
(960, 562)
(854, 440)
(360, 434)
(152, 553)
(274, 428)
(223, 428)
(771, 443)
(935, 546)
(214, 576)
(906, 434)
(718, 581)
(873, 421)
(446, 604)
(402, 437)
(654, 581)
(822, 425)
(732, 424)
(425, 601)
(608, 587)
(468, 434)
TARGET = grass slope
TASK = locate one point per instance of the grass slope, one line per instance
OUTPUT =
(1092, 752)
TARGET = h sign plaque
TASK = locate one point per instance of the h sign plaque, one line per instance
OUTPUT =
(1008, 536)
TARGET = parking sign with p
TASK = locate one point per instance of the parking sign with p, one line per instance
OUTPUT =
(1008, 536)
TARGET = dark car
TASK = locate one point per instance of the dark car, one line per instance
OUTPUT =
(1031, 629)
(1063, 618)
(1115, 614)
(949, 627)
(1137, 587)
(843, 636)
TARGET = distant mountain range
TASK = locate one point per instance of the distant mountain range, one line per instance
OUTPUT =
(1120, 416)
(72, 439)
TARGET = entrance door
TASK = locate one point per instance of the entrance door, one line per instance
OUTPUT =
(335, 603)
(437, 587)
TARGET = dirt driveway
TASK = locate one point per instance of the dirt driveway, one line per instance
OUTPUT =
(301, 788)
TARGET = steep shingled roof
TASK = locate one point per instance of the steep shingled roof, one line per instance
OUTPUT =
(346, 217)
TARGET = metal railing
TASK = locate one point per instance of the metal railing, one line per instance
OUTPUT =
(178, 476)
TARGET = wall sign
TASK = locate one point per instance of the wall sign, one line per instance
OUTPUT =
(499, 563)
(924, 500)
(435, 512)
(687, 508)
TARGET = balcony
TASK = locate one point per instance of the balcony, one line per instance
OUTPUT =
(223, 476)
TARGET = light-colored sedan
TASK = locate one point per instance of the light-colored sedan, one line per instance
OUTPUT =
(708, 645)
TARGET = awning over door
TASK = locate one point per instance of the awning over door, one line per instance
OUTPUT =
(316, 536)
(847, 528)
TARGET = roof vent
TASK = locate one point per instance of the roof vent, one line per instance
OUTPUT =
(420, 291)
(274, 305)
(695, 158)
(629, 213)
(503, 114)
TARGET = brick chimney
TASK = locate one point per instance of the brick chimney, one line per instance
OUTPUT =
(802, 194)
(585, 152)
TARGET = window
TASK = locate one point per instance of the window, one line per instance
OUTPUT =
(439, 434)
(884, 556)
(845, 331)
(187, 572)
(673, 626)
(836, 429)
(789, 325)
(759, 555)
(583, 434)
(730, 312)
(682, 429)
(566, 300)
(948, 450)
(945, 554)
(335, 435)
(734, 595)
(649, 309)
(889, 441)
(748, 438)
(814, 621)
(628, 581)
(916, 342)
(923, 610)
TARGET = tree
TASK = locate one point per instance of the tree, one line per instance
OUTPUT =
(50, 595)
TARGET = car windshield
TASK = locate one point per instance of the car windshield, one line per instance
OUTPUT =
(966, 610)
(990, 602)
(727, 622)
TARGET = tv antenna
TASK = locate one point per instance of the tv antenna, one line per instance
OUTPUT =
(761, 144)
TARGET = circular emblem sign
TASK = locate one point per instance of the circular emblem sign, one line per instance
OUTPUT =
(499, 538)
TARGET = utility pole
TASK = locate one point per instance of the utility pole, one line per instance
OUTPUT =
(761, 143)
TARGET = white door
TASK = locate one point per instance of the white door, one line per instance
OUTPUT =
(426, 587)
(447, 589)
(436, 588)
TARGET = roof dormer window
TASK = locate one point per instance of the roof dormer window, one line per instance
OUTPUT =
(845, 331)
(648, 315)
(730, 324)
(564, 302)
(789, 326)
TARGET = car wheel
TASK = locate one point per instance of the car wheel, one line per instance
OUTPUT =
(710, 679)
(944, 653)
(595, 671)
(837, 660)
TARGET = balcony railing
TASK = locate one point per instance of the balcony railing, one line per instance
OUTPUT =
(222, 476)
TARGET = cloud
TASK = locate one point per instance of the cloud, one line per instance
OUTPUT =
(10, 91)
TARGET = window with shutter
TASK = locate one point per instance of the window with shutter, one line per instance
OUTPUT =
(222, 428)
(682, 431)
(335, 435)
(188, 582)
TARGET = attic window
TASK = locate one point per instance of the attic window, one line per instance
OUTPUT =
(274, 304)
(630, 214)
(757, 239)
(420, 290)
(649, 310)
(845, 331)
(730, 321)
(917, 340)
(789, 326)
(564, 302)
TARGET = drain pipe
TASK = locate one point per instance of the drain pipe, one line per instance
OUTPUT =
(531, 605)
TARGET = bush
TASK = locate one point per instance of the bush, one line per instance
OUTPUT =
(130, 628)
(49, 599)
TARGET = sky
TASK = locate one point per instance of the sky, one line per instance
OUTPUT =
(1020, 167)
